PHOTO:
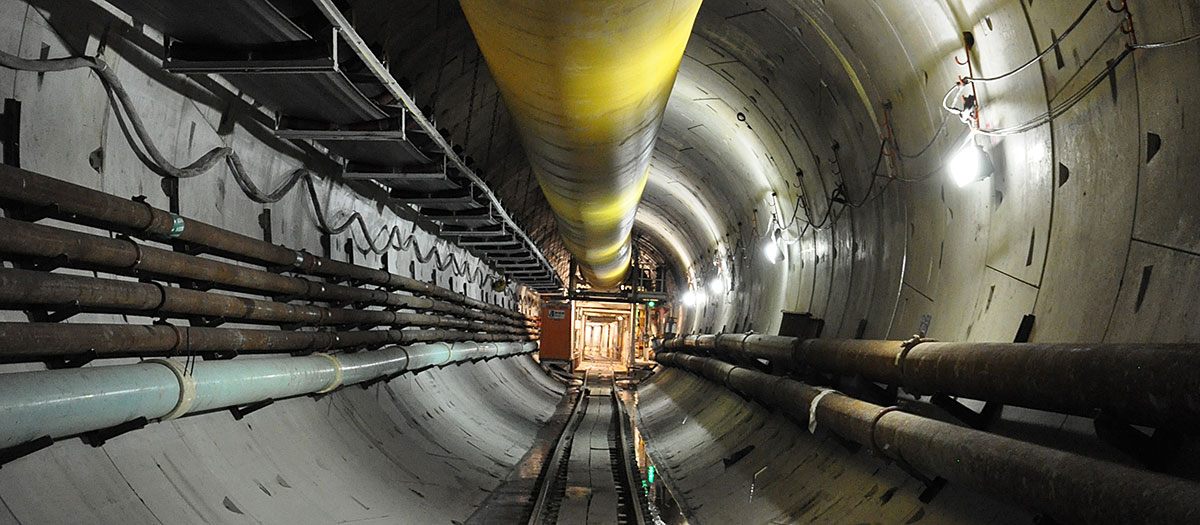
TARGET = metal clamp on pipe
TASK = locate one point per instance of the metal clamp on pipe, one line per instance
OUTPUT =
(337, 373)
(187, 388)
(812, 409)
(908, 346)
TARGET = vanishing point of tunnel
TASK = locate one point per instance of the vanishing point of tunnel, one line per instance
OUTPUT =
(599, 262)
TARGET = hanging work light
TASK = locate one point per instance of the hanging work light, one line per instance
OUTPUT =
(771, 248)
(971, 163)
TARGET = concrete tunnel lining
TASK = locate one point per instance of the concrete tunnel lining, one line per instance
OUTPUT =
(425, 448)
(958, 264)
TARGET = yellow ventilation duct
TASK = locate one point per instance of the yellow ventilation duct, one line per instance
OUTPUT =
(587, 82)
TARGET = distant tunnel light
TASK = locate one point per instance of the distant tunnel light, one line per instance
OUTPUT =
(970, 164)
(692, 298)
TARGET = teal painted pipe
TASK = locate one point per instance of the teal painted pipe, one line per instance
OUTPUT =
(60, 403)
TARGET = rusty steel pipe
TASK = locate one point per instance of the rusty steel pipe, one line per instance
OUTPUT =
(1067, 487)
(24, 288)
(1148, 384)
(77, 249)
(39, 194)
(26, 342)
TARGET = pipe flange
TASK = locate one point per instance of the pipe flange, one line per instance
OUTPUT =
(337, 377)
(187, 388)
(880, 451)
(812, 408)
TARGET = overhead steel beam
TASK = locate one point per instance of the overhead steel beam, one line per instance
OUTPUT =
(309, 56)
(360, 47)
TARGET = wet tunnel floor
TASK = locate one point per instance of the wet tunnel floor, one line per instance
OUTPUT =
(583, 467)
(590, 494)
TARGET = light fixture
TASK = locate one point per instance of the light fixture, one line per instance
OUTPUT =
(771, 248)
(651, 304)
(691, 298)
(717, 285)
(971, 163)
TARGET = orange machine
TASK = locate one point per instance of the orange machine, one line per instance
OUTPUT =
(556, 332)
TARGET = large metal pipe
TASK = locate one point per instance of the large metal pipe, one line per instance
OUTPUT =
(1149, 384)
(39, 194)
(587, 84)
(60, 403)
(26, 342)
(26, 289)
(81, 250)
(1068, 487)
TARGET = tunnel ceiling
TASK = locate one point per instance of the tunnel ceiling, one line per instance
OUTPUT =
(745, 115)
(796, 98)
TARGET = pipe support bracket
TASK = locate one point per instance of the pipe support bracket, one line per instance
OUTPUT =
(187, 388)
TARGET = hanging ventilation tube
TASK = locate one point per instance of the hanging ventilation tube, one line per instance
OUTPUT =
(587, 83)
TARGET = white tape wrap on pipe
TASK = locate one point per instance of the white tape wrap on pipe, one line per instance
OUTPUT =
(812, 410)
(337, 371)
(187, 388)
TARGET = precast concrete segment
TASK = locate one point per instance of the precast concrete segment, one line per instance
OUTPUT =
(1067, 486)
(1151, 384)
(59, 403)
(729, 459)
(587, 83)
(424, 448)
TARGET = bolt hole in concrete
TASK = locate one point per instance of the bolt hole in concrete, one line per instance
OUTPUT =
(1153, 144)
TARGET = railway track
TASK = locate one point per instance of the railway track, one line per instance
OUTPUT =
(592, 476)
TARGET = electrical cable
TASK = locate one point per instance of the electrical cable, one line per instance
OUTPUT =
(1053, 45)
(1172, 43)
(143, 145)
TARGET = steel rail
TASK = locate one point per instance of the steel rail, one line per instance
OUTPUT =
(556, 462)
(632, 475)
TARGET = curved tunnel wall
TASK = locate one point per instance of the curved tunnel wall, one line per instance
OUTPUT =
(423, 447)
(1076, 224)
(1088, 222)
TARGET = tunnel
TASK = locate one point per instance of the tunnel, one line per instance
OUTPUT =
(599, 261)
